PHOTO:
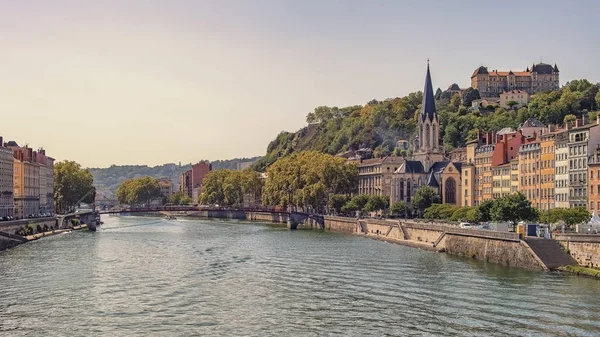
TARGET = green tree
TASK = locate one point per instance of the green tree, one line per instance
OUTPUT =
(424, 197)
(598, 100)
(376, 203)
(485, 210)
(575, 215)
(569, 118)
(512, 104)
(138, 191)
(71, 184)
(513, 207)
(337, 202)
(304, 180)
(474, 215)
(469, 95)
(460, 214)
(398, 208)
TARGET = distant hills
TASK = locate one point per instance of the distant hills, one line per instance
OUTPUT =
(108, 179)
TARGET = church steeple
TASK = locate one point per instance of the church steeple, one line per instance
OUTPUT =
(428, 104)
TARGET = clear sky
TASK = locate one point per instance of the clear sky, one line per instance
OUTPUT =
(151, 82)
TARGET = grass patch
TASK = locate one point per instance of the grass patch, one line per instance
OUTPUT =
(579, 270)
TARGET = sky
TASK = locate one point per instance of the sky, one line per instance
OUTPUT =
(153, 82)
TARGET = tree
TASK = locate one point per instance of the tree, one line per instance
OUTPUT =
(485, 210)
(398, 208)
(138, 191)
(305, 180)
(424, 197)
(598, 100)
(513, 207)
(337, 202)
(231, 188)
(376, 203)
(71, 184)
(469, 95)
(512, 104)
(569, 118)
(460, 214)
(474, 215)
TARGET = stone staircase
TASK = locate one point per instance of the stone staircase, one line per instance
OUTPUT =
(550, 252)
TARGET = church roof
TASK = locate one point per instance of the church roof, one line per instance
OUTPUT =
(438, 167)
(411, 166)
(555, 68)
(458, 166)
(431, 181)
(428, 105)
(12, 143)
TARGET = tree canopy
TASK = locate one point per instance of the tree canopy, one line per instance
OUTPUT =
(231, 188)
(71, 183)
(424, 197)
(138, 191)
(514, 208)
(305, 180)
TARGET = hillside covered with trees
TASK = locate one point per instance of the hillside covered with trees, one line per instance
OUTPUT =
(378, 125)
(109, 179)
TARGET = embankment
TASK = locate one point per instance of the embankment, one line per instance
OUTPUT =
(496, 247)
(584, 248)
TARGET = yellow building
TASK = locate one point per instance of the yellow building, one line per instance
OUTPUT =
(483, 173)
(468, 185)
(548, 173)
(540, 77)
(514, 175)
(501, 177)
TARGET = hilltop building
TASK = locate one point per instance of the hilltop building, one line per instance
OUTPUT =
(539, 78)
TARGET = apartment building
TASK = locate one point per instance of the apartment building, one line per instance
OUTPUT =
(6, 181)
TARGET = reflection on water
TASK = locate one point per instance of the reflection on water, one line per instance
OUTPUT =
(156, 277)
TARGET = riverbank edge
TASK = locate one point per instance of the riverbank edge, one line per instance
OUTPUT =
(17, 240)
(494, 247)
(581, 271)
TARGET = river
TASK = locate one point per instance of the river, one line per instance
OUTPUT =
(154, 277)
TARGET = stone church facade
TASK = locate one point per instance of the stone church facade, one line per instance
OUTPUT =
(428, 165)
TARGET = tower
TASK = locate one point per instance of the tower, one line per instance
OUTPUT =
(428, 148)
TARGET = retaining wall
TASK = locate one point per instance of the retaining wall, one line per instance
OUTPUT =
(584, 248)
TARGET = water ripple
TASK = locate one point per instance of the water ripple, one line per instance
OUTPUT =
(153, 277)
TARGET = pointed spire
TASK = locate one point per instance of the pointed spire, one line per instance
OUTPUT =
(527, 70)
(428, 104)
(555, 68)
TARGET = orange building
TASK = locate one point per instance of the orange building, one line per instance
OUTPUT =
(547, 170)
(594, 181)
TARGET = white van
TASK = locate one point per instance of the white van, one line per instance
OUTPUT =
(465, 225)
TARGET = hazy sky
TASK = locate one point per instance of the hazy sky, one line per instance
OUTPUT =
(151, 82)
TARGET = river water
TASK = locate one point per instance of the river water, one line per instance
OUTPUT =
(154, 277)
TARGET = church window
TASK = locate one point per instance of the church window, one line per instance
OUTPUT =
(427, 136)
(401, 189)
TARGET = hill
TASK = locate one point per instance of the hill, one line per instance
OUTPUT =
(107, 180)
(377, 126)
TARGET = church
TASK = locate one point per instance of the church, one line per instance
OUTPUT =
(428, 166)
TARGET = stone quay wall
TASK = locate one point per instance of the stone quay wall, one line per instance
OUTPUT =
(496, 247)
(584, 248)
(13, 226)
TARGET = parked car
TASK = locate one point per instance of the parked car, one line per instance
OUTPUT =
(465, 225)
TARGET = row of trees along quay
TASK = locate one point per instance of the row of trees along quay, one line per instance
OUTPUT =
(509, 208)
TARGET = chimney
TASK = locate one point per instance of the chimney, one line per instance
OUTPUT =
(577, 122)
(1, 141)
(586, 119)
(569, 125)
